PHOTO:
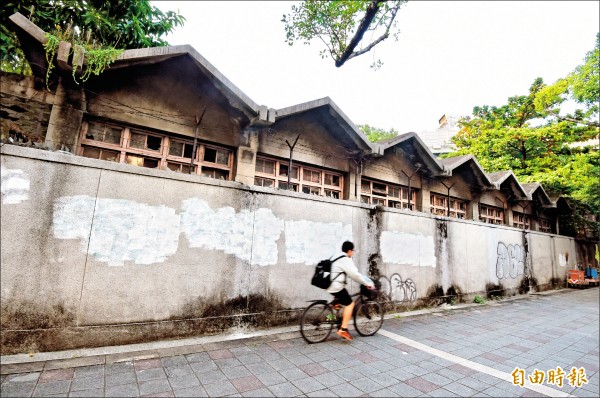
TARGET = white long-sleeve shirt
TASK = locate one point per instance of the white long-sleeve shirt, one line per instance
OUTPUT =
(345, 264)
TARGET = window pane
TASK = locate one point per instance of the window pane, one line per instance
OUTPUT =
(284, 185)
(151, 163)
(178, 167)
(331, 179)
(265, 166)
(137, 141)
(311, 190)
(365, 186)
(332, 194)
(188, 150)
(379, 201)
(154, 143)
(104, 133)
(379, 188)
(394, 192)
(264, 182)
(215, 173)
(91, 152)
(176, 148)
(210, 155)
(111, 156)
(365, 199)
(223, 158)
(134, 160)
(312, 176)
(283, 171)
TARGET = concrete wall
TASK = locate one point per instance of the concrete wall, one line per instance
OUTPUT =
(90, 246)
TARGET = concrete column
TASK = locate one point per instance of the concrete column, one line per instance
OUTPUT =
(424, 198)
(246, 157)
(65, 118)
(509, 216)
(354, 177)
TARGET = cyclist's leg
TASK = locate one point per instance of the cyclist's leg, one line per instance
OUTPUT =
(344, 298)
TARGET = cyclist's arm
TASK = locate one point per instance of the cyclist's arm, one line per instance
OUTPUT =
(351, 271)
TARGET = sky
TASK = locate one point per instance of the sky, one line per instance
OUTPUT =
(450, 56)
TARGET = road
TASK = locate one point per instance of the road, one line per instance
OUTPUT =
(499, 349)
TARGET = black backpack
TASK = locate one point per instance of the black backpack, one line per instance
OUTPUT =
(322, 277)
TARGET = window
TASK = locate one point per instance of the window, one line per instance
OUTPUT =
(383, 194)
(545, 225)
(309, 180)
(439, 206)
(263, 182)
(491, 215)
(153, 150)
(103, 154)
(103, 133)
(521, 220)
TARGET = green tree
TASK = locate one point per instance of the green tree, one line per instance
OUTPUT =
(537, 146)
(123, 24)
(375, 135)
(341, 25)
(582, 85)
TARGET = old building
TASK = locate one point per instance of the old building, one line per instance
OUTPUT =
(168, 194)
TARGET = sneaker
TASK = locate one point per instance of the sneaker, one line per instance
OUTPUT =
(344, 334)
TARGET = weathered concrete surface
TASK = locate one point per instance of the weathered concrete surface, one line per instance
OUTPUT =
(90, 247)
(462, 350)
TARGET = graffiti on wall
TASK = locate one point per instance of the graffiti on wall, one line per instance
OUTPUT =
(396, 289)
(115, 231)
(14, 185)
(405, 248)
(510, 262)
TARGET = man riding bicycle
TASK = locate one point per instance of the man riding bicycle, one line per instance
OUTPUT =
(345, 265)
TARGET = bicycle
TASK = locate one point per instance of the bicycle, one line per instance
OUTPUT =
(321, 316)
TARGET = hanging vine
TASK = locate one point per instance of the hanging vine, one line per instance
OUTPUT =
(94, 58)
(50, 47)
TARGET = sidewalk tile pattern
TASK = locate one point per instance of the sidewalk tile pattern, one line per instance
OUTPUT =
(538, 332)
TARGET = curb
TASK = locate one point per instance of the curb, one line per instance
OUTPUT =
(22, 363)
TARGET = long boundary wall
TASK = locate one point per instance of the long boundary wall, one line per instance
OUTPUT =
(95, 253)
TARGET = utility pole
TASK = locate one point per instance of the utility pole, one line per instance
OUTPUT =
(198, 121)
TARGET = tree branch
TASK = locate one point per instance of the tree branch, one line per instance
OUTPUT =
(570, 119)
(362, 28)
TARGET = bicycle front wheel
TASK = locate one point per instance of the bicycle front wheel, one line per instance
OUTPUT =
(368, 317)
(316, 323)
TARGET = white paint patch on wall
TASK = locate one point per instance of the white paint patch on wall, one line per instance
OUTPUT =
(562, 260)
(14, 185)
(122, 230)
(224, 229)
(404, 248)
(309, 242)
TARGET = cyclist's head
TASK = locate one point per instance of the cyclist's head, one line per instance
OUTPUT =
(347, 246)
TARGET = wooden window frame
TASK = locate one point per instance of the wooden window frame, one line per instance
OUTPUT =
(521, 220)
(300, 183)
(162, 156)
(496, 216)
(545, 225)
(383, 197)
(442, 209)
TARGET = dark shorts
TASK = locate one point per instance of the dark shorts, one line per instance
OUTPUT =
(343, 297)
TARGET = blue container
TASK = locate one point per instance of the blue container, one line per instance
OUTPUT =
(591, 273)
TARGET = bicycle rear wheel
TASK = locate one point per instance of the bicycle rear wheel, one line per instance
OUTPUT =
(368, 317)
(316, 323)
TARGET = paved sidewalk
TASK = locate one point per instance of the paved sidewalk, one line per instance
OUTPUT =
(469, 350)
